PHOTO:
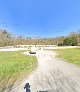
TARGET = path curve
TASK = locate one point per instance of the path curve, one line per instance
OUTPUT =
(53, 75)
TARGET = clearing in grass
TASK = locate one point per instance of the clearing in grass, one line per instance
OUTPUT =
(15, 66)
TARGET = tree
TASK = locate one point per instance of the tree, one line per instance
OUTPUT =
(5, 38)
(70, 41)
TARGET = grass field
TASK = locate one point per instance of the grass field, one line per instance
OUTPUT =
(15, 66)
(70, 55)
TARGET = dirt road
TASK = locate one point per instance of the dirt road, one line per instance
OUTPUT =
(53, 75)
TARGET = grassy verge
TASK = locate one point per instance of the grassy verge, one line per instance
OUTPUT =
(70, 55)
(14, 66)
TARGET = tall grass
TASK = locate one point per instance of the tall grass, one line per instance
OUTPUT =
(70, 55)
(14, 66)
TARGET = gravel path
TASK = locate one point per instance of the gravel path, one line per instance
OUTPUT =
(53, 75)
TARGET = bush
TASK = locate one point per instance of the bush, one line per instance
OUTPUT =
(60, 44)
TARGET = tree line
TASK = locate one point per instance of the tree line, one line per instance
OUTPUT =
(8, 39)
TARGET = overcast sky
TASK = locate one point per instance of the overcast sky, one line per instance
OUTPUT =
(40, 18)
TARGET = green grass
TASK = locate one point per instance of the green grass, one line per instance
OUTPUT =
(14, 66)
(70, 55)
